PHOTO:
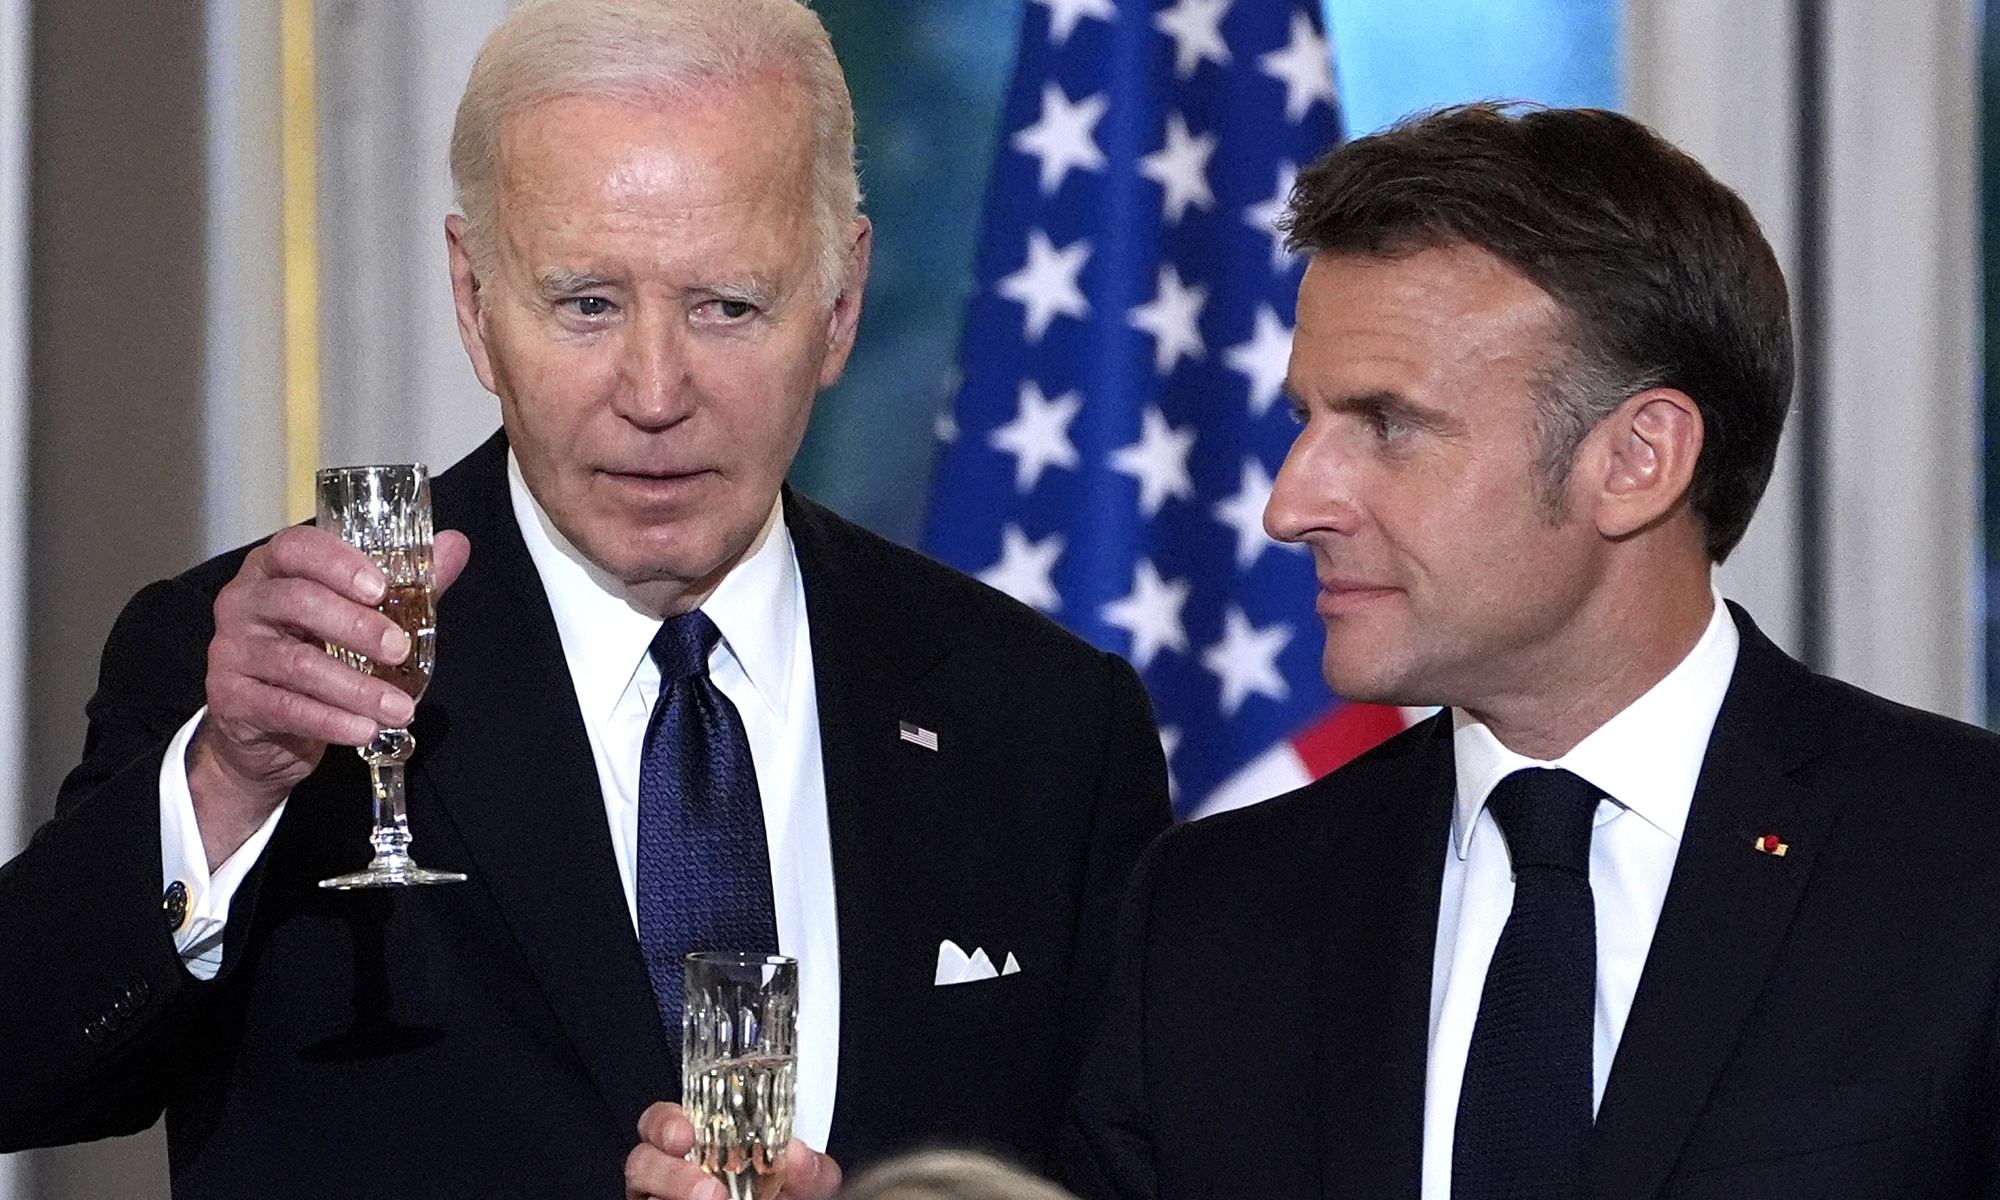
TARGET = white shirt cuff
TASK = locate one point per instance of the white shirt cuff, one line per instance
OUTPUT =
(184, 861)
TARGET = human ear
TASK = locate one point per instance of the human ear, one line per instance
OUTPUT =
(1647, 448)
(845, 318)
(466, 299)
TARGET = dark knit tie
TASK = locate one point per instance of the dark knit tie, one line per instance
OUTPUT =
(1524, 1112)
(704, 869)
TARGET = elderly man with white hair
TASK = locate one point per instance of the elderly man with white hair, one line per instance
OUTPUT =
(658, 262)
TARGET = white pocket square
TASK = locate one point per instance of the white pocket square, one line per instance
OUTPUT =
(954, 965)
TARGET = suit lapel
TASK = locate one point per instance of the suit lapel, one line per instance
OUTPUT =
(878, 828)
(503, 752)
(1375, 985)
(1726, 912)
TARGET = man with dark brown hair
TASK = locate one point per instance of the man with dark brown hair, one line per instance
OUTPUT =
(1649, 910)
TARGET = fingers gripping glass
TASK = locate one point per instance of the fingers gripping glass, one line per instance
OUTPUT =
(386, 512)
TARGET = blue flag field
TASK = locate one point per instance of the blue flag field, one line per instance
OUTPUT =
(1121, 417)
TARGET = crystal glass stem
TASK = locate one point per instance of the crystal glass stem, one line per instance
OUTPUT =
(385, 757)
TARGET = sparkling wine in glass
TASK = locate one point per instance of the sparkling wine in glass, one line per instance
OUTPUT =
(386, 512)
(739, 1032)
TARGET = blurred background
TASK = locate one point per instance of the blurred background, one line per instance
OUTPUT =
(221, 249)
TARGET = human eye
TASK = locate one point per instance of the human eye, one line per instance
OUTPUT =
(725, 310)
(1386, 425)
(588, 306)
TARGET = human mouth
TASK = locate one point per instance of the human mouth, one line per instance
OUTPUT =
(658, 485)
(1343, 597)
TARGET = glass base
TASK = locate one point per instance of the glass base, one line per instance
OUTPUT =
(390, 873)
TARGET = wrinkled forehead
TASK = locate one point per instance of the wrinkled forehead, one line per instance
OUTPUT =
(705, 144)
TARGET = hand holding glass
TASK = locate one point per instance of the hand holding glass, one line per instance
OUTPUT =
(739, 1031)
(386, 512)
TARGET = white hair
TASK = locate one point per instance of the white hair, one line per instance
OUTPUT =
(950, 1175)
(650, 52)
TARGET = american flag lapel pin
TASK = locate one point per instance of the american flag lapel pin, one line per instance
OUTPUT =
(1770, 844)
(917, 735)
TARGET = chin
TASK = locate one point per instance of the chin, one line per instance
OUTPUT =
(1365, 678)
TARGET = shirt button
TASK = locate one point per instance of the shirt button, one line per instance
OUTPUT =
(175, 905)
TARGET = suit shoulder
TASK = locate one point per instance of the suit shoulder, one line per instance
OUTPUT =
(924, 592)
(1880, 727)
(1393, 778)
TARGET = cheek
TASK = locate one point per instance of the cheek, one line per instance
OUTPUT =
(762, 395)
(547, 386)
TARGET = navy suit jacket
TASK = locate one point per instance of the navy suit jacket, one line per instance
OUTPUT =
(498, 1038)
(1820, 1024)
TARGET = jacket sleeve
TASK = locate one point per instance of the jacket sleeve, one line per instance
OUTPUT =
(1131, 810)
(1106, 1150)
(93, 997)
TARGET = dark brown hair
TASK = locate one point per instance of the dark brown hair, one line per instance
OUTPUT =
(1661, 273)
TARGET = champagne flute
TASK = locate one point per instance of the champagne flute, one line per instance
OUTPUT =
(386, 512)
(739, 1033)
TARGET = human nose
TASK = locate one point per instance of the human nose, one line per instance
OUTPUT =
(656, 374)
(1313, 491)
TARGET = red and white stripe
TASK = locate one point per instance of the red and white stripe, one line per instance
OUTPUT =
(1340, 735)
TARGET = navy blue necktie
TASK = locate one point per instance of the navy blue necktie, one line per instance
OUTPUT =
(704, 869)
(1524, 1112)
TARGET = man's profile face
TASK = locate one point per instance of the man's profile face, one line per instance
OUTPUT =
(1444, 577)
(651, 320)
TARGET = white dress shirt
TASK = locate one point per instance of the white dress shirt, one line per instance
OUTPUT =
(763, 664)
(1647, 759)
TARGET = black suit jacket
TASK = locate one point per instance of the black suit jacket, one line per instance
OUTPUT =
(498, 1038)
(1820, 1024)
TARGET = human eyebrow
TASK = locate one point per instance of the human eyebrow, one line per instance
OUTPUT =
(754, 291)
(565, 282)
(1386, 407)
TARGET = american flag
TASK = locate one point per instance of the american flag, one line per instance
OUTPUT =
(1120, 417)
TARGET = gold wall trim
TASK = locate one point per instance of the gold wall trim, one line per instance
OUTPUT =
(299, 116)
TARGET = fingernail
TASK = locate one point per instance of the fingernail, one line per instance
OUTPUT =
(369, 582)
(397, 710)
(395, 646)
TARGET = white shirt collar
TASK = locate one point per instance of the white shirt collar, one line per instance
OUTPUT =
(605, 635)
(1647, 758)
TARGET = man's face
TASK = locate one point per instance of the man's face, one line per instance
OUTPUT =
(1444, 577)
(651, 320)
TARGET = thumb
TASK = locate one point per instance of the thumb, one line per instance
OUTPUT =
(809, 1175)
(450, 550)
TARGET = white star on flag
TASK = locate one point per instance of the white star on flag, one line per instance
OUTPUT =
(1046, 285)
(1064, 15)
(1264, 217)
(1024, 568)
(1244, 513)
(1304, 66)
(1173, 317)
(1181, 168)
(1263, 360)
(1246, 660)
(1038, 436)
(1196, 27)
(1126, 391)
(1158, 460)
(1063, 139)
(1151, 614)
